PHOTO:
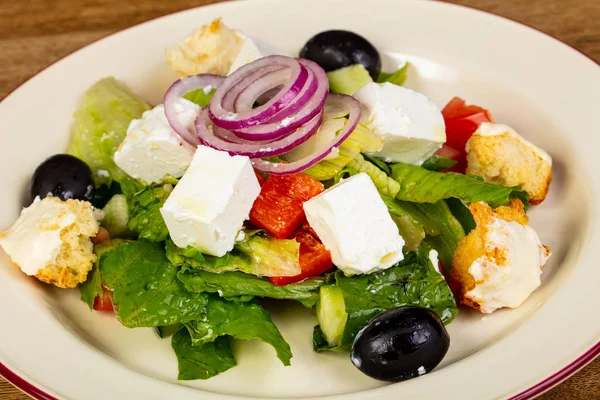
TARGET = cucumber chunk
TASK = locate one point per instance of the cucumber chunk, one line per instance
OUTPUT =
(331, 313)
(348, 80)
(116, 216)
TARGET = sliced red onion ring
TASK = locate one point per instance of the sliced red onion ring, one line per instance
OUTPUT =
(276, 127)
(179, 89)
(230, 119)
(233, 94)
(250, 94)
(353, 107)
(227, 141)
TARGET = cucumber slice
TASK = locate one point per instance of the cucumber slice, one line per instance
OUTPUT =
(116, 216)
(348, 80)
(331, 313)
(166, 331)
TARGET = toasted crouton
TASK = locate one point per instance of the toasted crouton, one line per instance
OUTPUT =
(496, 281)
(500, 155)
(209, 49)
(58, 232)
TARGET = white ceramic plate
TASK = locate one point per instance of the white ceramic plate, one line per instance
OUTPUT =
(53, 347)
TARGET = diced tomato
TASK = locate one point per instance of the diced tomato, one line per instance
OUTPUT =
(462, 121)
(101, 236)
(260, 177)
(278, 208)
(315, 259)
(448, 152)
(104, 302)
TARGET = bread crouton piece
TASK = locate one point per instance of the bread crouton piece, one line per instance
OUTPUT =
(209, 49)
(500, 155)
(498, 264)
(51, 240)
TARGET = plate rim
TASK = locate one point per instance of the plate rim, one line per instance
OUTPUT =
(40, 392)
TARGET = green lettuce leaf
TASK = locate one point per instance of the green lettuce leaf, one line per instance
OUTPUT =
(100, 125)
(397, 77)
(256, 254)
(414, 281)
(438, 163)
(362, 139)
(461, 212)
(384, 184)
(92, 286)
(144, 212)
(201, 362)
(200, 97)
(422, 186)
(234, 284)
(443, 231)
(450, 230)
(146, 291)
(239, 320)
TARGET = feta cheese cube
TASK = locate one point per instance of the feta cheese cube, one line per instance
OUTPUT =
(152, 149)
(411, 126)
(210, 203)
(252, 50)
(354, 224)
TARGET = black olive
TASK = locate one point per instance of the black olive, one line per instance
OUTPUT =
(400, 344)
(337, 49)
(63, 176)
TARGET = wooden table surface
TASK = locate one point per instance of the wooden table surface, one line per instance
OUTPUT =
(35, 33)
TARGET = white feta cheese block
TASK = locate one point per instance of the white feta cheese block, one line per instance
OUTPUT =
(210, 203)
(252, 49)
(354, 224)
(152, 149)
(410, 124)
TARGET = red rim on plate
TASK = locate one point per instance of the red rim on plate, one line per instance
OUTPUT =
(532, 392)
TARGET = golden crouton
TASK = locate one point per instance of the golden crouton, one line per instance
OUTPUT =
(209, 49)
(59, 233)
(499, 155)
(496, 257)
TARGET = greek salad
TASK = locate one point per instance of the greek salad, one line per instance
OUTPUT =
(319, 179)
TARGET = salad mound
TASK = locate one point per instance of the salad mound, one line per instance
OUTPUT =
(321, 180)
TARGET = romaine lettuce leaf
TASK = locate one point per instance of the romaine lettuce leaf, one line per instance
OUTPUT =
(461, 212)
(413, 281)
(384, 184)
(201, 362)
(231, 285)
(362, 139)
(92, 286)
(100, 125)
(200, 97)
(146, 291)
(239, 320)
(256, 254)
(397, 77)
(422, 186)
(144, 212)
(438, 163)
(450, 231)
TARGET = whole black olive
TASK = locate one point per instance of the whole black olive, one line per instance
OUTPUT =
(63, 176)
(337, 49)
(400, 344)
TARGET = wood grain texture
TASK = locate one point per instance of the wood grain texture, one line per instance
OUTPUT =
(35, 33)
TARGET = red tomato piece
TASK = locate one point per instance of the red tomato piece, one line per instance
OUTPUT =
(448, 152)
(462, 121)
(315, 259)
(104, 302)
(278, 208)
(101, 236)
